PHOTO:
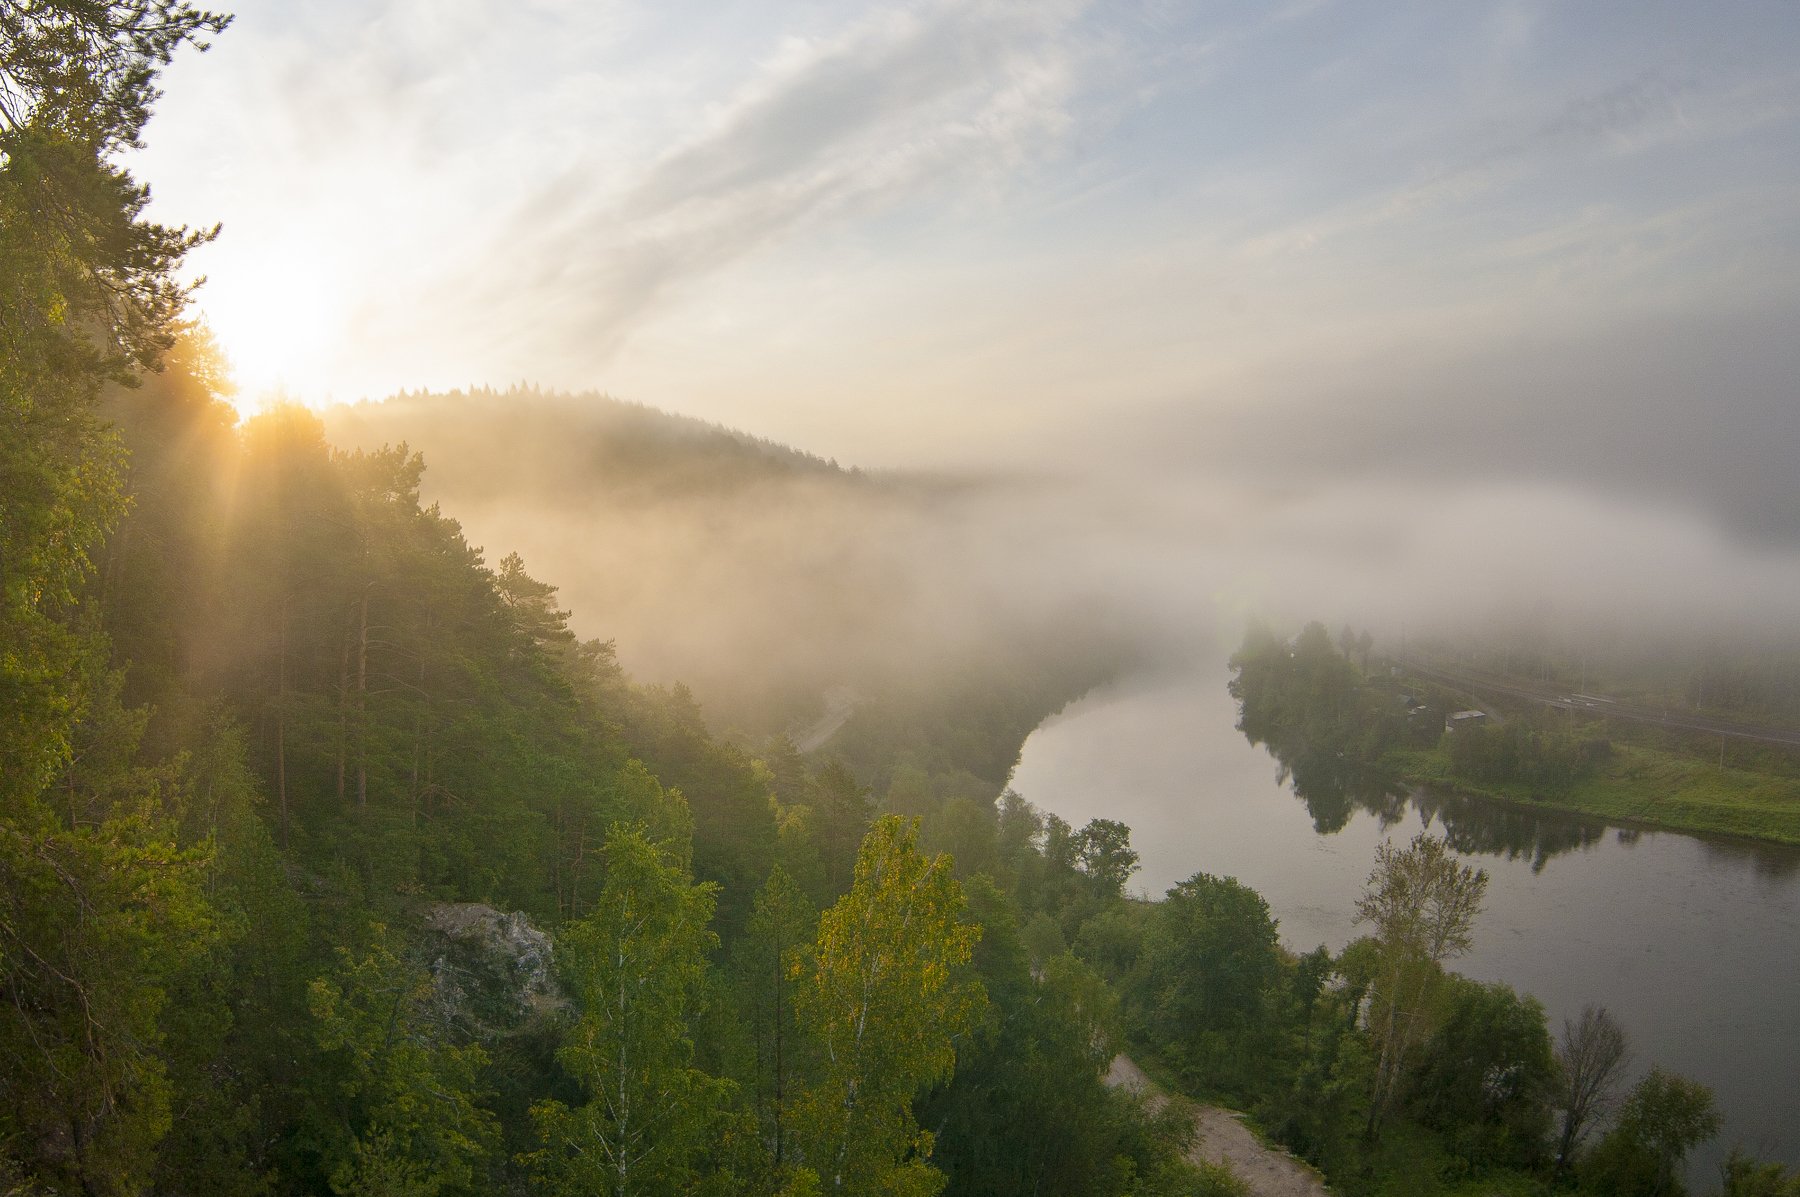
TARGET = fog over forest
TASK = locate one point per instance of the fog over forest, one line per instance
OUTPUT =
(775, 565)
(592, 596)
(1431, 320)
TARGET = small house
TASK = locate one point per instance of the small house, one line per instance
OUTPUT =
(1465, 719)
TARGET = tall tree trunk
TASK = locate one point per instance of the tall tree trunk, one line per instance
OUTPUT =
(281, 794)
(559, 866)
(362, 703)
(419, 718)
(1387, 1061)
(779, 1086)
(580, 859)
(343, 705)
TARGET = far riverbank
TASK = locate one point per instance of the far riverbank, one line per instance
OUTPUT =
(1686, 939)
(1646, 791)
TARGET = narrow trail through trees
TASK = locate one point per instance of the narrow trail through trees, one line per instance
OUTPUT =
(1222, 1139)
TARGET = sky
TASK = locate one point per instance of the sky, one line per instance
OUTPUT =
(1502, 263)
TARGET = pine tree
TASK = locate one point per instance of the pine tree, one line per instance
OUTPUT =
(102, 904)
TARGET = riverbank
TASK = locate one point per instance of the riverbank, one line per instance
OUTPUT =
(1641, 786)
(1679, 936)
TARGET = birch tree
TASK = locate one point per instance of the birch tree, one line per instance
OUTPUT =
(1592, 1056)
(635, 965)
(884, 1004)
(1422, 904)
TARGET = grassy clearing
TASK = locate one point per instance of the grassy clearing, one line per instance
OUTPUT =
(1650, 785)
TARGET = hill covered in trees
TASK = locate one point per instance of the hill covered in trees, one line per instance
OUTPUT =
(759, 576)
(297, 779)
(294, 727)
(334, 858)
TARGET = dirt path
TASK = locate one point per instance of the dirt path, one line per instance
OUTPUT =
(1222, 1139)
(840, 703)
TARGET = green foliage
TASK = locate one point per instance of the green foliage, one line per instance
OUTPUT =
(1112, 939)
(842, 810)
(1210, 963)
(293, 704)
(1018, 828)
(1484, 1079)
(104, 911)
(964, 830)
(769, 960)
(1422, 905)
(88, 291)
(735, 837)
(1547, 759)
(634, 965)
(1746, 1177)
(1042, 939)
(1026, 1111)
(1327, 727)
(1324, 1107)
(154, 585)
(1306, 685)
(237, 1025)
(1652, 783)
(1665, 1117)
(402, 1116)
(884, 998)
(970, 719)
(96, 922)
(354, 714)
(1104, 855)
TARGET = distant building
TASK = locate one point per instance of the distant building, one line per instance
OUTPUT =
(1465, 719)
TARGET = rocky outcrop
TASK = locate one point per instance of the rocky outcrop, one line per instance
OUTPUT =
(494, 973)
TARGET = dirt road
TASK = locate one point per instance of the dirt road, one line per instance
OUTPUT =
(840, 703)
(1475, 681)
(1223, 1139)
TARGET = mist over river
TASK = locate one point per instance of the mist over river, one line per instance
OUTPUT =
(1693, 944)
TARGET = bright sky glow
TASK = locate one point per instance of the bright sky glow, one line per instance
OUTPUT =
(977, 231)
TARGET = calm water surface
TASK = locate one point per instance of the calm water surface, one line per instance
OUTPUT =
(1693, 944)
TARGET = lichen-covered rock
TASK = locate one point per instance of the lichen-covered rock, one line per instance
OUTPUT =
(493, 971)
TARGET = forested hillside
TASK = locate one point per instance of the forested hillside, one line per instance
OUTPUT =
(759, 576)
(334, 861)
(306, 725)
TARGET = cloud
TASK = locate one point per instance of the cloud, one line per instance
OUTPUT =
(1617, 111)
(1682, 412)
(1531, 246)
(1465, 166)
(894, 110)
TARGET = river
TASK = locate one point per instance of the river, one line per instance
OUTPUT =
(1693, 944)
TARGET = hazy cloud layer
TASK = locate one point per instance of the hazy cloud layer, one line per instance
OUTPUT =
(1690, 413)
(897, 109)
(1377, 261)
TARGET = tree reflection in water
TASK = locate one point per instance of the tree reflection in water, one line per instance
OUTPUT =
(1334, 787)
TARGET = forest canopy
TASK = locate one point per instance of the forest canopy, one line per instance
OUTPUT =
(335, 859)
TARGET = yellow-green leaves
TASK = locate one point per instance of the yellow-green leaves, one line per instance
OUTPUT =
(885, 1001)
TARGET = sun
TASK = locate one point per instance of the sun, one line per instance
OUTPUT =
(278, 319)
